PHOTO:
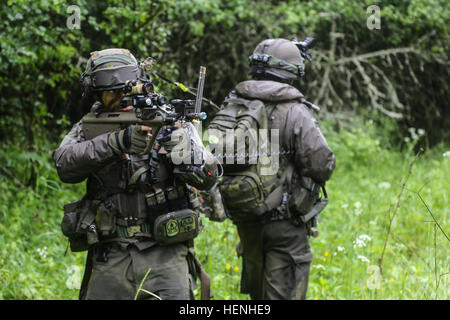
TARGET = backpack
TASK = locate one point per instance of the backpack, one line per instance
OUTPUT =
(248, 187)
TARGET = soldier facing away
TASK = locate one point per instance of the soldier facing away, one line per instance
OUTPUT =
(128, 193)
(275, 211)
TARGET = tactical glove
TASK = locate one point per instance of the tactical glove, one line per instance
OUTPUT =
(131, 140)
(174, 137)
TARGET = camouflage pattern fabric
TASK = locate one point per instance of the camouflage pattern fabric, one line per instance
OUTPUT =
(276, 254)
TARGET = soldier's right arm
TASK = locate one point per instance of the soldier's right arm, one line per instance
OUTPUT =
(313, 156)
(77, 157)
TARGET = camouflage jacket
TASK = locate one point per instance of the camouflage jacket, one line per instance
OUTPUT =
(78, 159)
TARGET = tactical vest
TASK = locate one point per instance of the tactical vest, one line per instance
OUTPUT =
(121, 203)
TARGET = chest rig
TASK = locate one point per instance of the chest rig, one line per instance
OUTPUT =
(133, 191)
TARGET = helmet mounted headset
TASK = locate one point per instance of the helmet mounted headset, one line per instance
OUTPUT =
(280, 58)
(111, 69)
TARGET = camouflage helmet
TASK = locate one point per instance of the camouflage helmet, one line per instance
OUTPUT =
(279, 58)
(109, 69)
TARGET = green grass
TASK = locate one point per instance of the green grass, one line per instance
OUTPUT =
(363, 193)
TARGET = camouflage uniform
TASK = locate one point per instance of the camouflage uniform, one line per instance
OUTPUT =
(117, 264)
(275, 250)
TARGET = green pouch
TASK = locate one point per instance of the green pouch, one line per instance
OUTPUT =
(177, 226)
(242, 193)
(106, 218)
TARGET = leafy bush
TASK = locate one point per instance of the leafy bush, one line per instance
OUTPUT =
(399, 70)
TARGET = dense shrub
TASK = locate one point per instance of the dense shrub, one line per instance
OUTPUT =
(401, 70)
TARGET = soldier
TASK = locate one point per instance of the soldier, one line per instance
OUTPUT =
(269, 209)
(115, 220)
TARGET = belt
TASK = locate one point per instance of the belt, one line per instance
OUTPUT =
(131, 231)
(121, 232)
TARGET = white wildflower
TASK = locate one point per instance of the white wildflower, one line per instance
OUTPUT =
(42, 252)
(319, 266)
(412, 131)
(365, 237)
(339, 249)
(420, 132)
(345, 205)
(446, 154)
(363, 259)
(361, 241)
(384, 185)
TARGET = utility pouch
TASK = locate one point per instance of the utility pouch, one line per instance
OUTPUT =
(106, 217)
(242, 193)
(78, 224)
(304, 195)
(177, 226)
(70, 218)
(305, 202)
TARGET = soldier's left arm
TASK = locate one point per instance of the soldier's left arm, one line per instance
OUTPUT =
(313, 157)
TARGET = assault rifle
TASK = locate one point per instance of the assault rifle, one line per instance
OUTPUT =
(150, 109)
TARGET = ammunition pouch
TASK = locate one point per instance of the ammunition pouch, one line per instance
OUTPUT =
(177, 226)
(87, 222)
(106, 217)
(172, 199)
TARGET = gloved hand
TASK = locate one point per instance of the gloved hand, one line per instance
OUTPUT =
(132, 140)
(167, 140)
(175, 142)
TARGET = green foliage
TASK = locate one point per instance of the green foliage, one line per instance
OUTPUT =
(363, 192)
(41, 64)
(32, 258)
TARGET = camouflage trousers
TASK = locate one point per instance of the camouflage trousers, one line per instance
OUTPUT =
(276, 260)
(120, 276)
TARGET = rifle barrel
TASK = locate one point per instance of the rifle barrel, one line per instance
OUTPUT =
(201, 83)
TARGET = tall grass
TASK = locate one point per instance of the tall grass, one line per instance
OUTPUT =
(363, 193)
